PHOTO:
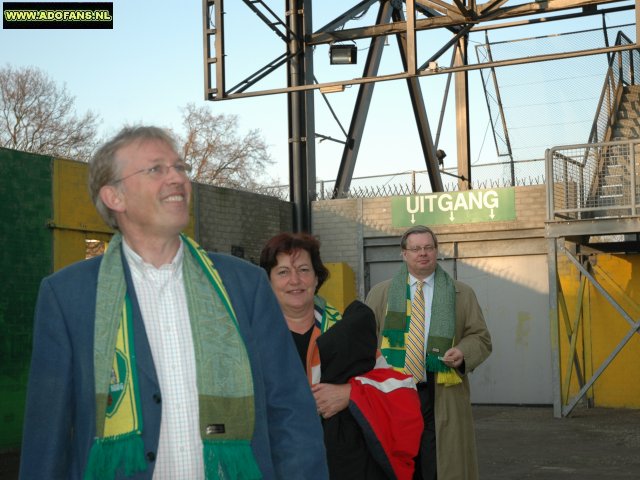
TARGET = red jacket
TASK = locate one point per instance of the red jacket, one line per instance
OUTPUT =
(386, 405)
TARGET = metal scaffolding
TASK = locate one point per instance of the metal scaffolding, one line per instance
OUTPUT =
(404, 19)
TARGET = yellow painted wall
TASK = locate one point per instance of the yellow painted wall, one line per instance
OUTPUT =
(75, 218)
(340, 288)
(570, 282)
(602, 328)
(619, 385)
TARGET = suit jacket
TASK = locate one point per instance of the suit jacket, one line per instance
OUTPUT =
(60, 413)
(455, 435)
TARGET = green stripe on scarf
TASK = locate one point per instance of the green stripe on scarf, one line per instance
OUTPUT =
(330, 314)
(441, 328)
(223, 371)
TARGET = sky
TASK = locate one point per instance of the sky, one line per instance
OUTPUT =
(150, 65)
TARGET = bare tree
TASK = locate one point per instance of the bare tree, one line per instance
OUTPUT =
(218, 154)
(38, 116)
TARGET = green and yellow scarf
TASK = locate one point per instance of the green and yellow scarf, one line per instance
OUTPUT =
(327, 312)
(441, 329)
(225, 384)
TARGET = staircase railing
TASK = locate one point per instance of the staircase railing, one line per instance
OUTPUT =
(572, 169)
(621, 72)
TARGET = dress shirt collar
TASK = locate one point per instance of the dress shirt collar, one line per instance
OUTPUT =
(429, 280)
(137, 262)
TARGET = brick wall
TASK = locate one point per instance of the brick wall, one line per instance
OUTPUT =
(236, 222)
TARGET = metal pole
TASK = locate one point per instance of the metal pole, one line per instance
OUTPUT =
(554, 332)
(298, 175)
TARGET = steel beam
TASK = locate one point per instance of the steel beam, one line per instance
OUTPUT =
(554, 324)
(302, 169)
(360, 111)
(420, 114)
(533, 8)
(463, 141)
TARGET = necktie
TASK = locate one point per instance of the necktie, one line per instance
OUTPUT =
(414, 357)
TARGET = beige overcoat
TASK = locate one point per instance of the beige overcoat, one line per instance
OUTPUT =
(455, 436)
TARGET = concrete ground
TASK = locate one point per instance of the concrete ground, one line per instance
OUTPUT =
(517, 443)
(529, 443)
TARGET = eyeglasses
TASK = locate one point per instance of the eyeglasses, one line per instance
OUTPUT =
(426, 249)
(159, 171)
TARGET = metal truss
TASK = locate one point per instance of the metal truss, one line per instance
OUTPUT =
(404, 19)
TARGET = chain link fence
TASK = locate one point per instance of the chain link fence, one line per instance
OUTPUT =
(535, 106)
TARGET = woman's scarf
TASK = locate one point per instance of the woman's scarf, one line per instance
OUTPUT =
(441, 328)
(325, 317)
(223, 371)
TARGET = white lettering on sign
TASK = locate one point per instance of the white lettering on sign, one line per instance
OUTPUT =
(445, 201)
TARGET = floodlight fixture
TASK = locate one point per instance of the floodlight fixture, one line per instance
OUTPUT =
(343, 54)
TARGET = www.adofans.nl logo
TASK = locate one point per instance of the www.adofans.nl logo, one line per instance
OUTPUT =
(57, 15)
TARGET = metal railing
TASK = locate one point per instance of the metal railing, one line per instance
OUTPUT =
(623, 70)
(573, 170)
(598, 179)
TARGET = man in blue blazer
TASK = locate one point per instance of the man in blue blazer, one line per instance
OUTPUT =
(158, 360)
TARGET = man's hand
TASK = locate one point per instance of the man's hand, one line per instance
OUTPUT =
(453, 358)
(330, 399)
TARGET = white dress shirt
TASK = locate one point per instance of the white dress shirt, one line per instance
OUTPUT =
(163, 304)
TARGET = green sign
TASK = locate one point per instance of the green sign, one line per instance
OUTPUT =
(450, 208)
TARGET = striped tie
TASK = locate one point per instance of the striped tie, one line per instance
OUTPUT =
(414, 358)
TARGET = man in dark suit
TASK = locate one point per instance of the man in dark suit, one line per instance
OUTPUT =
(158, 360)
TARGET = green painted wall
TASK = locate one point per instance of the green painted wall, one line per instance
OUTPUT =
(25, 258)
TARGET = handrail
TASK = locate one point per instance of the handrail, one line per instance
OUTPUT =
(611, 84)
(620, 72)
(568, 179)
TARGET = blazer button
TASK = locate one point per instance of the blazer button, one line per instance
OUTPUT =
(151, 456)
(157, 398)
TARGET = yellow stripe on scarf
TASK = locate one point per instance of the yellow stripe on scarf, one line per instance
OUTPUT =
(448, 378)
(122, 414)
